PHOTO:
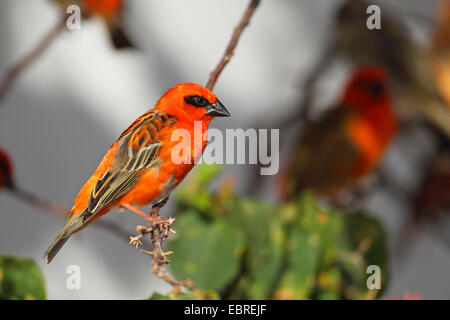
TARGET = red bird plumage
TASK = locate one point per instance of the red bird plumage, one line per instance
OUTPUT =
(138, 169)
(348, 142)
(6, 170)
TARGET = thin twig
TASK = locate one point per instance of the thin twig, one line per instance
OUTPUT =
(159, 232)
(214, 75)
(26, 61)
(61, 211)
(35, 201)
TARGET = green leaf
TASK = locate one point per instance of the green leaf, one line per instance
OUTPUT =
(326, 224)
(21, 278)
(194, 194)
(367, 234)
(329, 284)
(158, 296)
(266, 240)
(298, 280)
(207, 253)
(205, 173)
(194, 295)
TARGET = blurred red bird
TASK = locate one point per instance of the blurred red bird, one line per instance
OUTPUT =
(138, 169)
(348, 142)
(110, 11)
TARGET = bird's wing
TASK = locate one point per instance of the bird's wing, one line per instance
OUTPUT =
(138, 150)
(324, 155)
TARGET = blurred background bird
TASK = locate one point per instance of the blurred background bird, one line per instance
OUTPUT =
(393, 48)
(347, 142)
(111, 12)
(139, 168)
(6, 170)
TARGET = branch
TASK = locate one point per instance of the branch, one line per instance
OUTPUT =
(26, 61)
(158, 229)
(61, 211)
(229, 52)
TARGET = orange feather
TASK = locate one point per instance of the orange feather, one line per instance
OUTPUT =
(138, 169)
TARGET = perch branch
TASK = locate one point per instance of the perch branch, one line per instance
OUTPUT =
(158, 228)
(27, 60)
(229, 51)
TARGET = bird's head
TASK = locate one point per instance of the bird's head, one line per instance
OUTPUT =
(368, 87)
(368, 94)
(191, 102)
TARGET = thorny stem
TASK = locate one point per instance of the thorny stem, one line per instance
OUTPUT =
(229, 51)
(26, 61)
(158, 231)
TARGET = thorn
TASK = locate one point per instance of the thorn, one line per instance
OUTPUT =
(135, 241)
(150, 253)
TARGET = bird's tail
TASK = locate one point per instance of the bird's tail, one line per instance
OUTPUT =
(56, 245)
(74, 224)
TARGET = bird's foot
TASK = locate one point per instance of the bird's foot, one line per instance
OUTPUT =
(163, 225)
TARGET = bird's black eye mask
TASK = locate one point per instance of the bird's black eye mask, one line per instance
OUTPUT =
(197, 101)
(374, 88)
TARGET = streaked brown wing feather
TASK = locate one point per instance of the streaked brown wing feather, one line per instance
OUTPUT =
(138, 150)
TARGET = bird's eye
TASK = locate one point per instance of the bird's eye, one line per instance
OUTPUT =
(197, 101)
(375, 89)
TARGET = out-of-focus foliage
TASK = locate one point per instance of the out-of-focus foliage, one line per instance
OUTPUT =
(247, 248)
(21, 278)
(201, 246)
(194, 295)
(241, 248)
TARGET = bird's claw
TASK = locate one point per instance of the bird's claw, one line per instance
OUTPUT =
(163, 226)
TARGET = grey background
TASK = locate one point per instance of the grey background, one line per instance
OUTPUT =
(68, 107)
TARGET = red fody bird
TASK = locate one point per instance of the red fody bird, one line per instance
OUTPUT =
(348, 142)
(110, 11)
(138, 169)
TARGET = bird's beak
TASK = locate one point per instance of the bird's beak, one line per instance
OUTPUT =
(217, 110)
